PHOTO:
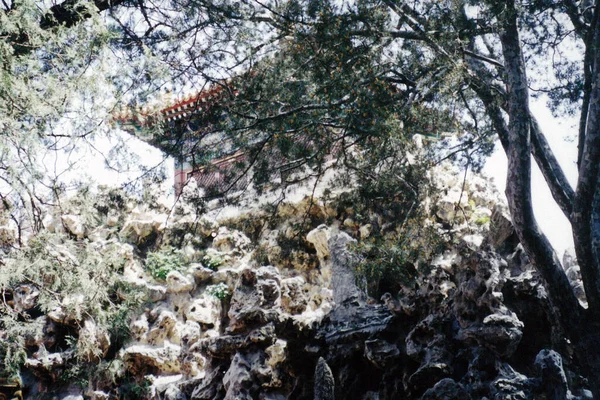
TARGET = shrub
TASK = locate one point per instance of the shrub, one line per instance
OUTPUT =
(78, 276)
(163, 261)
(387, 263)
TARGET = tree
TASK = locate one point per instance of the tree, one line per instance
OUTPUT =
(343, 71)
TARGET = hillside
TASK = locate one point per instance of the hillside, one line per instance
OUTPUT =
(317, 299)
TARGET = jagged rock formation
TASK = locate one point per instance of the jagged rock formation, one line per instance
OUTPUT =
(262, 319)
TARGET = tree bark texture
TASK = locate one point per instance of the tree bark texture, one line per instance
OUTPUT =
(585, 209)
(518, 185)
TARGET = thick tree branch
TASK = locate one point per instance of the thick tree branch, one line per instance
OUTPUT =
(495, 63)
(71, 12)
(572, 10)
(587, 89)
(587, 185)
(518, 185)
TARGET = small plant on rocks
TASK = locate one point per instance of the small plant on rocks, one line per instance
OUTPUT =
(212, 261)
(161, 262)
(220, 291)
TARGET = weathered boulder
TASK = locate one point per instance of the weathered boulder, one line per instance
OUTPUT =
(144, 359)
(141, 224)
(74, 225)
(178, 283)
(294, 299)
(381, 353)
(256, 294)
(446, 389)
(428, 345)
(25, 297)
(553, 378)
(162, 328)
(501, 227)
(319, 238)
(205, 310)
(200, 273)
(139, 329)
(238, 380)
(324, 381)
(479, 309)
(510, 384)
(449, 205)
(228, 241)
(343, 281)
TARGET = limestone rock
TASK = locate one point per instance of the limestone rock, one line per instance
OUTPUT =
(293, 297)
(324, 381)
(177, 283)
(140, 225)
(427, 344)
(228, 276)
(162, 328)
(200, 273)
(256, 292)
(343, 281)
(74, 225)
(190, 333)
(276, 353)
(156, 293)
(228, 241)
(319, 238)
(205, 310)
(381, 353)
(501, 227)
(133, 270)
(141, 359)
(174, 393)
(193, 365)
(99, 395)
(139, 329)
(554, 380)
(25, 297)
(238, 379)
(510, 384)
(365, 231)
(446, 389)
(448, 210)
(225, 345)
(63, 314)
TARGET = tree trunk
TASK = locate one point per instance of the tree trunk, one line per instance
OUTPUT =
(586, 205)
(583, 332)
(518, 185)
